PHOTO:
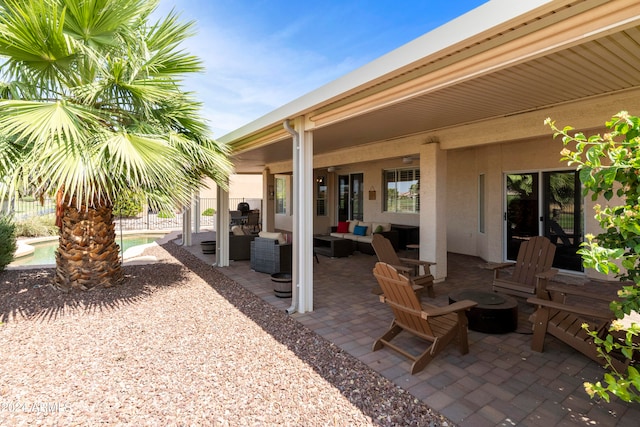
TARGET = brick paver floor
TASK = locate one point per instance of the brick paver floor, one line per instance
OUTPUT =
(499, 382)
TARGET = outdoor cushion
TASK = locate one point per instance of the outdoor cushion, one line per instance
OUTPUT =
(368, 225)
(360, 230)
(352, 225)
(237, 230)
(343, 227)
(386, 226)
(274, 236)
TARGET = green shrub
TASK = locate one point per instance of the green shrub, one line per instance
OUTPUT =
(129, 205)
(166, 214)
(209, 212)
(608, 166)
(37, 226)
(7, 241)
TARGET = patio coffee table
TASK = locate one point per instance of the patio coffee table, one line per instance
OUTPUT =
(494, 314)
(332, 246)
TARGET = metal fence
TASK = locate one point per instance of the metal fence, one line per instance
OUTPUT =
(148, 220)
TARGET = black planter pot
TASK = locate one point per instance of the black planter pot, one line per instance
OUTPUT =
(208, 246)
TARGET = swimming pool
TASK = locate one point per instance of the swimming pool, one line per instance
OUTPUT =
(44, 252)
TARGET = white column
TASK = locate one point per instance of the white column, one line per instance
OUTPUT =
(222, 227)
(303, 216)
(186, 226)
(196, 213)
(268, 201)
(433, 212)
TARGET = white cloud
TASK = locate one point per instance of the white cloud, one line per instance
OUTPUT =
(248, 75)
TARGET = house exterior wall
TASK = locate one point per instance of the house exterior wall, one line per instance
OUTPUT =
(240, 186)
(494, 161)
(464, 166)
(373, 209)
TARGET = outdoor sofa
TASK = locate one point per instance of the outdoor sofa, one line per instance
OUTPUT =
(361, 233)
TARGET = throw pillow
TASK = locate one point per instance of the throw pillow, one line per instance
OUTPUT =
(378, 229)
(343, 227)
(359, 230)
(236, 230)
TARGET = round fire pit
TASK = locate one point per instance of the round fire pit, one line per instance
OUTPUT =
(494, 314)
(282, 286)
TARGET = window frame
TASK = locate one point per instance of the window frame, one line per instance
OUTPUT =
(414, 189)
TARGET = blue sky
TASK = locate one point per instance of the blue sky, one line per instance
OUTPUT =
(262, 54)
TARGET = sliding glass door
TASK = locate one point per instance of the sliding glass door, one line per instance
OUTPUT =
(545, 204)
(350, 197)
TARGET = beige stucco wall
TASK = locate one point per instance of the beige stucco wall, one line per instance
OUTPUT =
(373, 209)
(464, 164)
(464, 168)
(240, 186)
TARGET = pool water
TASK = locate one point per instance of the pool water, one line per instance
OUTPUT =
(44, 252)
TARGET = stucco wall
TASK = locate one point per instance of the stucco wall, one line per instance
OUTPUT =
(240, 186)
(464, 168)
(373, 209)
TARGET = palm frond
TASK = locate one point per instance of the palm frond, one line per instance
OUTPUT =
(42, 122)
(33, 39)
(92, 102)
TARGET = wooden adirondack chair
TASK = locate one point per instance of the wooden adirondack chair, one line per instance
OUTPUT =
(407, 266)
(437, 325)
(559, 315)
(533, 264)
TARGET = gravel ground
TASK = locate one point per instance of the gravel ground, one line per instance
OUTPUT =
(179, 344)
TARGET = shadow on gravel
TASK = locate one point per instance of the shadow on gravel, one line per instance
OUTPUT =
(29, 294)
(377, 397)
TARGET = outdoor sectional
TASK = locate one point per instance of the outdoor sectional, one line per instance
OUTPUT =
(361, 233)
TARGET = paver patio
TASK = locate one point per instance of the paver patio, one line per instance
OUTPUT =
(500, 382)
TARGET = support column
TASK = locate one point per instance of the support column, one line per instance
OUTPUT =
(222, 227)
(197, 210)
(302, 273)
(433, 212)
(268, 200)
(186, 226)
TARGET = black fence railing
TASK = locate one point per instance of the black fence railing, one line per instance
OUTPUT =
(148, 220)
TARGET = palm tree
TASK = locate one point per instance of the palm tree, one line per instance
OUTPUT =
(91, 107)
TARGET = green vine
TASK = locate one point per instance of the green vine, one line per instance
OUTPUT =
(609, 165)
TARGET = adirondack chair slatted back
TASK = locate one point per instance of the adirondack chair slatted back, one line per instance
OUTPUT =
(400, 296)
(535, 256)
(384, 250)
(436, 325)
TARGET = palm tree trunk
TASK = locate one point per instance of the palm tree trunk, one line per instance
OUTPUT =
(87, 255)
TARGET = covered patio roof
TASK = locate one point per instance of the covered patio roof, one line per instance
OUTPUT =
(501, 61)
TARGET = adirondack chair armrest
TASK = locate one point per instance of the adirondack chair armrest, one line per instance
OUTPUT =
(498, 267)
(433, 311)
(413, 261)
(572, 291)
(549, 274)
(575, 309)
(403, 269)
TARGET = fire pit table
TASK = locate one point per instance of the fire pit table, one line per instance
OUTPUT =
(495, 313)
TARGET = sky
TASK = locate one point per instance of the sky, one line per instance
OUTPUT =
(262, 54)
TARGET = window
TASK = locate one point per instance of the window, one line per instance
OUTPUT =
(401, 190)
(281, 196)
(321, 196)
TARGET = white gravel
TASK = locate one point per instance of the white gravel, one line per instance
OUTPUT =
(178, 344)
